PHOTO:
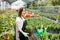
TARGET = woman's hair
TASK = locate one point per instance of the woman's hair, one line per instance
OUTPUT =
(20, 12)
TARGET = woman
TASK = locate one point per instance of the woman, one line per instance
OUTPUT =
(21, 25)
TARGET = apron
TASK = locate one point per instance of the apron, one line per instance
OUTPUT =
(21, 36)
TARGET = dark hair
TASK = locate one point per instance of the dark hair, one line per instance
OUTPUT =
(20, 12)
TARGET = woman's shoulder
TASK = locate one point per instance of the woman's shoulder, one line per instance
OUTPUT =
(18, 18)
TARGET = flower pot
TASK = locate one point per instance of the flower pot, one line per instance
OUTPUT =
(7, 38)
(30, 33)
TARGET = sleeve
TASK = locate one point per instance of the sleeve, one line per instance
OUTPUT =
(19, 24)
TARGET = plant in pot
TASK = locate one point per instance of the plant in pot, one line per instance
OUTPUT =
(29, 30)
(7, 37)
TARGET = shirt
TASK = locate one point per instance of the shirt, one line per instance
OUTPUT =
(19, 22)
(19, 25)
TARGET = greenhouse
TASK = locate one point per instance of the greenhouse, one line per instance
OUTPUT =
(29, 20)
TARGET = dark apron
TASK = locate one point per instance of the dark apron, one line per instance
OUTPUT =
(21, 36)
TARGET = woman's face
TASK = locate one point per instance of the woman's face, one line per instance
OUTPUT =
(23, 11)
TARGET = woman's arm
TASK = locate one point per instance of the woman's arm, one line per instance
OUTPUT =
(19, 25)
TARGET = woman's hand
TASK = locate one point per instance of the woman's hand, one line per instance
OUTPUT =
(25, 34)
